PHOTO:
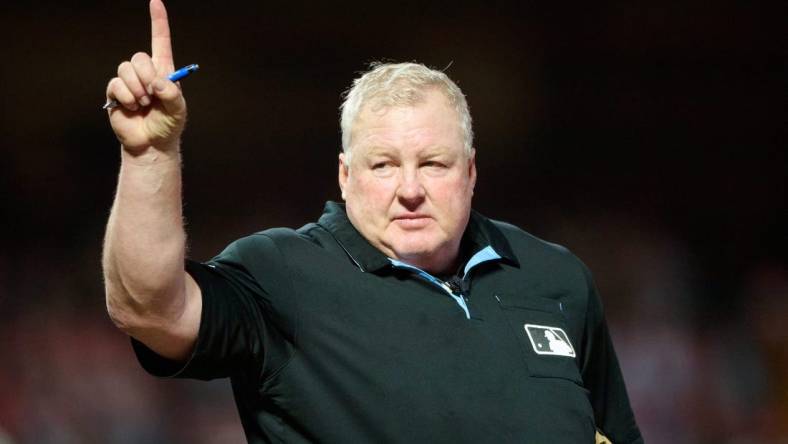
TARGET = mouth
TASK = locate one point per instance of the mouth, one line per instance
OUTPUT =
(412, 221)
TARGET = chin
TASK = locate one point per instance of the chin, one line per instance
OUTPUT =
(414, 251)
(412, 255)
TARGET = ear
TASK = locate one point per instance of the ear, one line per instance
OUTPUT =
(344, 172)
(472, 170)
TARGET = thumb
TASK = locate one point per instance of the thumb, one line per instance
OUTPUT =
(170, 96)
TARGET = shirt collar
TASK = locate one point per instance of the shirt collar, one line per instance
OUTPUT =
(479, 234)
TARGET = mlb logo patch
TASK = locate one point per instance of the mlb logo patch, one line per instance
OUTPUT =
(549, 340)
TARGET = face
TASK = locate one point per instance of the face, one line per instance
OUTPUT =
(409, 183)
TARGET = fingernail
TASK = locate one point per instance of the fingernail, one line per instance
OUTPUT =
(144, 100)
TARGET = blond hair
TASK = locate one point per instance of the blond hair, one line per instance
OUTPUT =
(401, 84)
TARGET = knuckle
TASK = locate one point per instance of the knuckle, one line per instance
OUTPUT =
(139, 57)
(111, 84)
(116, 87)
(124, 67)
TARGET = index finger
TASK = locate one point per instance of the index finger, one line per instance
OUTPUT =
(161, 46)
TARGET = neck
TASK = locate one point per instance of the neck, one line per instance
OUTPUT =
(436, 264)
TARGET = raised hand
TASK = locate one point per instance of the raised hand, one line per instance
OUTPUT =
(152, 109)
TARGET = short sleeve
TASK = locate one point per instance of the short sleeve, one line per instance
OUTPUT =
(235, 326)
(602, 376)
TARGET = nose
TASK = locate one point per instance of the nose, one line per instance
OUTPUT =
(410, 191)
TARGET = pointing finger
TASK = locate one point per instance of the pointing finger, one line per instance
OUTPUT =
(161, 45)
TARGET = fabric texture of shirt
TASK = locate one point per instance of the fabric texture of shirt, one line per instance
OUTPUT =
(327, 340)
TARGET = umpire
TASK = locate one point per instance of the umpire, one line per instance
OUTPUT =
(401, 315)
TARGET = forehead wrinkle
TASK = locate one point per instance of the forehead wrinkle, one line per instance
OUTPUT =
(377, 150)
(396, 138)
(427, 151)
(406, 127)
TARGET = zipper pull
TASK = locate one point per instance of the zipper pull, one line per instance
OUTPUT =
(458, 285)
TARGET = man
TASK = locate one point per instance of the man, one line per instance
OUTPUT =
(402, 316)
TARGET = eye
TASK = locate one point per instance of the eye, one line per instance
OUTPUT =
(435, 168)
(383, 168)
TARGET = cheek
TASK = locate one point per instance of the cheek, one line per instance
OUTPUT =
(452, 200)
(452, 193)
(372, 192)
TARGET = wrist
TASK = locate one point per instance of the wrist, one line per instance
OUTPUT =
(151, 155)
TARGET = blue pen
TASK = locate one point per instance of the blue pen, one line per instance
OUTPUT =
(174, 77)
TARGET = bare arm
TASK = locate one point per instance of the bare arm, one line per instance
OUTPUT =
(149, 295)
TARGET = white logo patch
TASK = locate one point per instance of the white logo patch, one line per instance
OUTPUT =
(549, 340)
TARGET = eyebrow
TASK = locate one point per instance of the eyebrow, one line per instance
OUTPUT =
(379, 151)
(437, 150)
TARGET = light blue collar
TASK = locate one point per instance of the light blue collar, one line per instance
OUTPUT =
(486, 254)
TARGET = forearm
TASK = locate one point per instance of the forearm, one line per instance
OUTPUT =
(144, 245)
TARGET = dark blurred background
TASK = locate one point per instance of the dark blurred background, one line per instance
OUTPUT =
(649, 138)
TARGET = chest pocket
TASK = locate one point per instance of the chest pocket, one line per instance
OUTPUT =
(540, 328)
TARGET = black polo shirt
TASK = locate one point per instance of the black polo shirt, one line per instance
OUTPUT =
(325, 339)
